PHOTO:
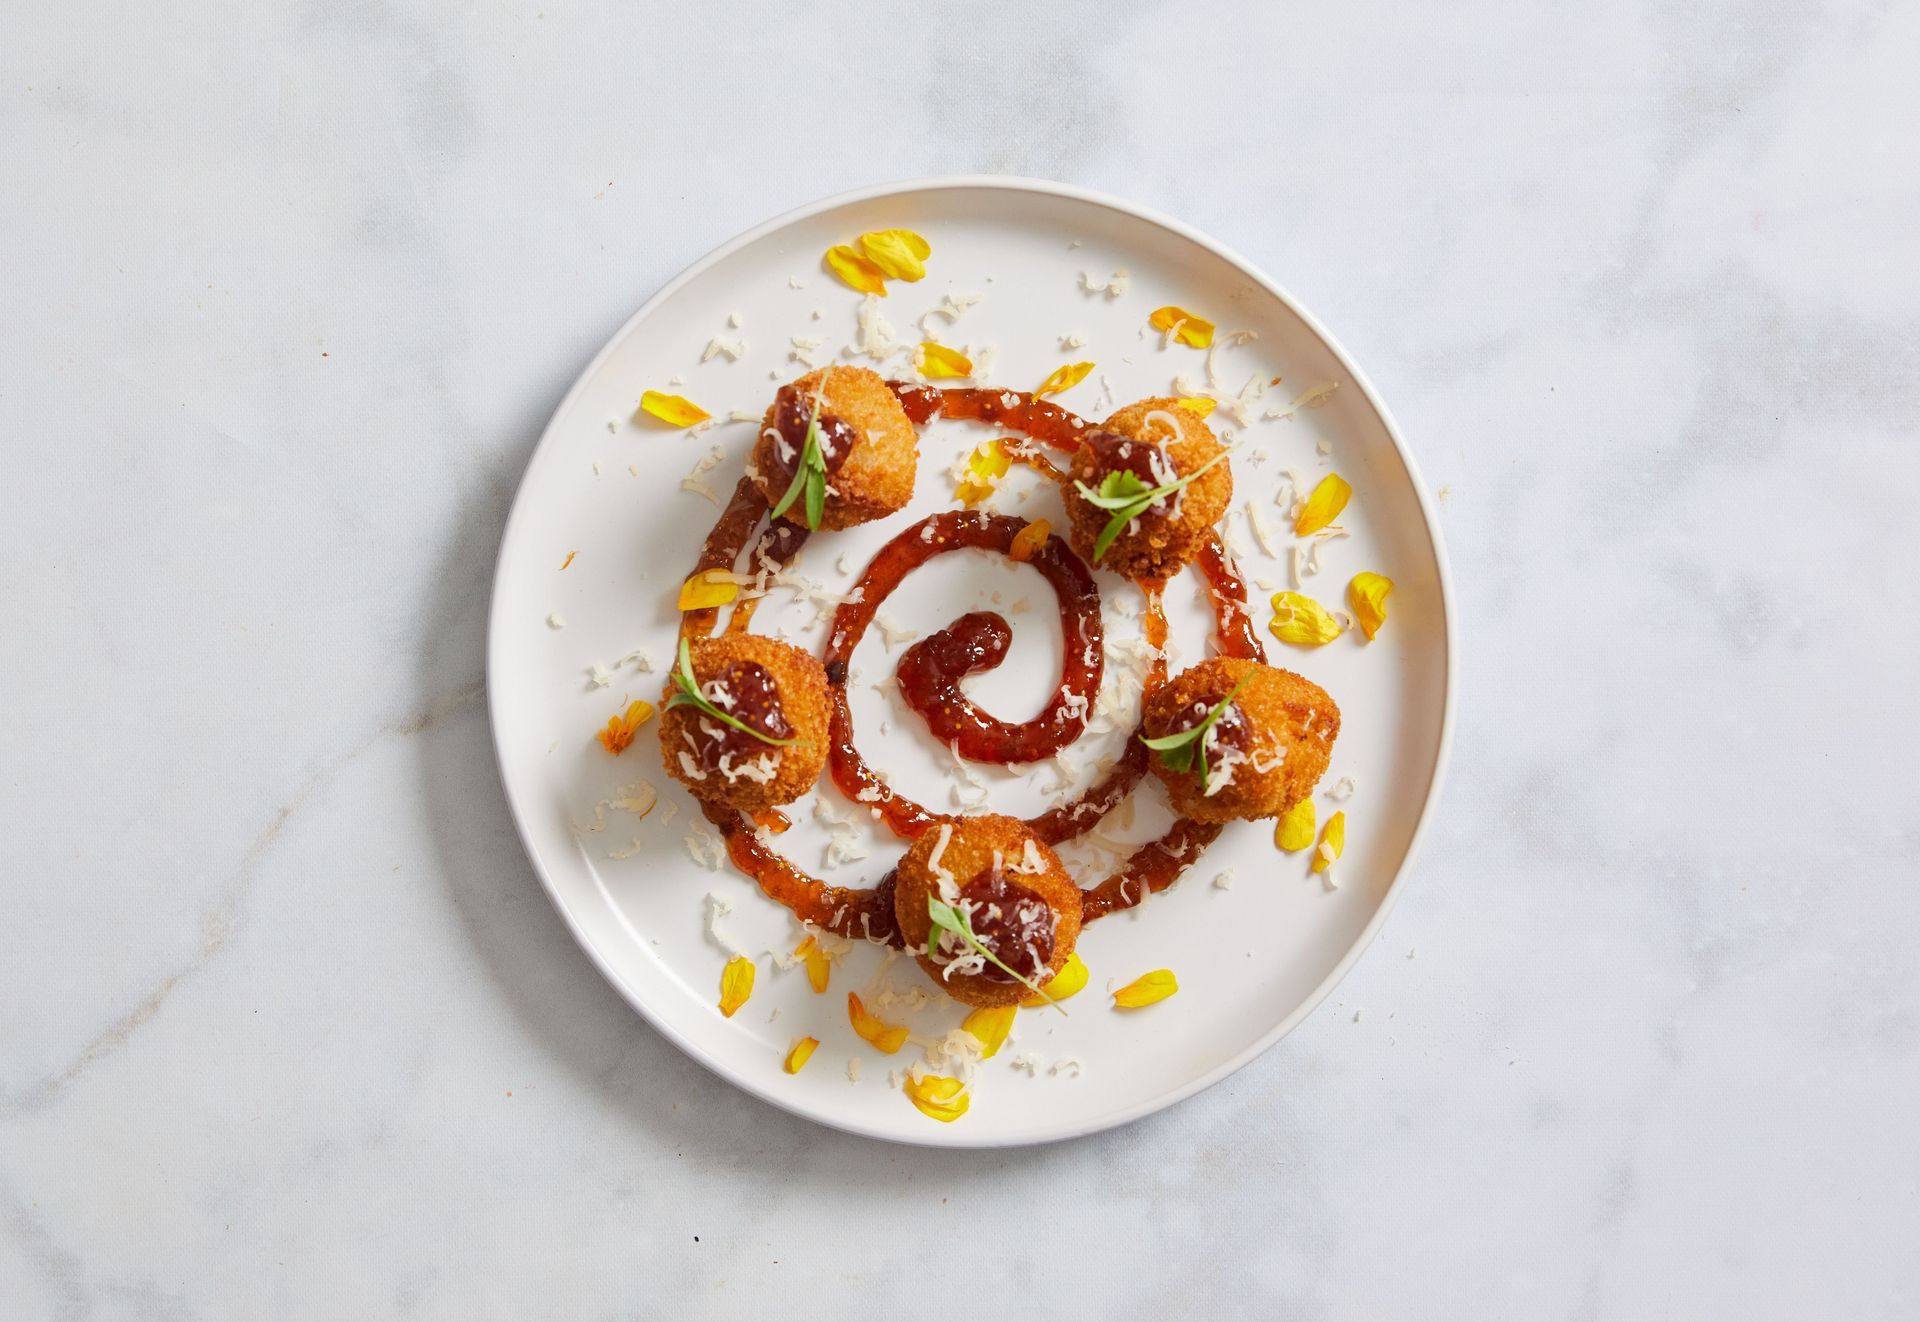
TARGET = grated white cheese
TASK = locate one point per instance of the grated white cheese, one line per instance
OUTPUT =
(893, 632)
(1310, 398)
(1072, 340)
(695, 480)
(556, 621)
(733, 346)
(1223, 880)
(1342, 789)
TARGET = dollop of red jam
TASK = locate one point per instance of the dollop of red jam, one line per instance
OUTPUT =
(1114, 453)
(1011, 921)
(753, 699)
(793, 414)
(1231, 730)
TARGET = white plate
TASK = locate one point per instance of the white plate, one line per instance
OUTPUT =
(1252, 958)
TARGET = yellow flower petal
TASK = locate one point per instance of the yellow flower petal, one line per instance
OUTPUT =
(620, 729)
(939, 363)
(1199, 405)
(856, 271)
(706, 589)
(801, 1053)
(1063, 378)
(990, 1027)
(898, 253)
(675, 409)
(985, 467)
(736, 984)
(1323, 506)
(884, 1037)
(1146, 989)
(1294, 831)
(944, 1099)
(1071, 978)
(1300, 619)
(1027, 542)
(1191, 330)
(1332, 842)
(1367, 594)
(818, 966)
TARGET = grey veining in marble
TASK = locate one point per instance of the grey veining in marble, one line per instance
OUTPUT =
(289, 1029)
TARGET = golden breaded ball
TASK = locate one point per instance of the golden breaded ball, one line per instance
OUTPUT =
(1156, 440)
(988, 860)
(1265, 753)
(879, 445)
(771, 685)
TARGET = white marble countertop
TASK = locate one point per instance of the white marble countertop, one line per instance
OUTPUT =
(290, 1029)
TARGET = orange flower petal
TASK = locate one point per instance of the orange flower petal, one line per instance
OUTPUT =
(939, 363)
(1294, 831)
(900, 254)
(1027, 542)
(706, 589)
(1196, 332)
(1071, 978)
(1333, 842)
(1146, 989)
(620, 729)
(675, 409)
(944, 1099)
(990, 1027)
(1063, 378)
(856, 271)
(1367, 594)
(801, 1053)
(985, 467)
(884, 1037)
(1323, 506)
(818, 965)
(736, 984)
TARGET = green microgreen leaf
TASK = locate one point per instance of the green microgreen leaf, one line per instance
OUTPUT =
(945, 918)
(1128, 497)
(810, 474)
(687, 694)
(1184, 750)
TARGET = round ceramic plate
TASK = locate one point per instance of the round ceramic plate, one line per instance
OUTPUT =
(607, 523)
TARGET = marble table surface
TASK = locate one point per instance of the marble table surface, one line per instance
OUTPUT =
(290, 1029)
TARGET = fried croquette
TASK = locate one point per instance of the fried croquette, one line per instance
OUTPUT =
(774, 687)
(869, 446)
(1263, 754)
(1016, 896)
(1158, 442)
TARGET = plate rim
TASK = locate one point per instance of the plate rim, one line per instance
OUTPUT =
(945, 1137)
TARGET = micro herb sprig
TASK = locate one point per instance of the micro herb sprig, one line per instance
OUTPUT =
(1128, 497)
(687, 694)
(810, 474)
(945, 918)
(1188, 748)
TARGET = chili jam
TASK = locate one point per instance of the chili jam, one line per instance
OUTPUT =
(930, 684)
(1011, 921)
(1016, 923)
(750, 697)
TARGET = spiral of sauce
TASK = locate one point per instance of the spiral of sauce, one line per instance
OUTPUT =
(929, 673)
